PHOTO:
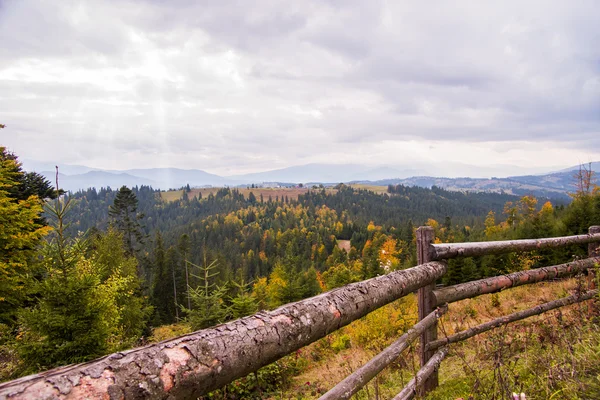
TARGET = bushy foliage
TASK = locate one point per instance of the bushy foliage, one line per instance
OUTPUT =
(21, 230)
(86, 303)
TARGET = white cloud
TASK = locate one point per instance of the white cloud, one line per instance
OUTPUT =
(233, 87)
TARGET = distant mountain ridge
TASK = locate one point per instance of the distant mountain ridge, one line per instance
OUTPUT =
(551, 184)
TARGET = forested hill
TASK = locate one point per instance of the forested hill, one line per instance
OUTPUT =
(250, 236)
(353, 206)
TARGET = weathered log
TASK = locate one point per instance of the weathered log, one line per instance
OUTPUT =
(426, 304)
(358, 379)
(451, 250)
(428, 369)
(197, 363)
(530, 312)
(471, 289)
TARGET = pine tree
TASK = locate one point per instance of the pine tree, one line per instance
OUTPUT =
(126, 219)
(184, 249)
(208, 307)
(67, 325)
(243, 303)
(26, 184)
(162, 298)
(20, 232)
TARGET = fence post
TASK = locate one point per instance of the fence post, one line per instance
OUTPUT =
(593, 248)
(425, 236)
(593, 251)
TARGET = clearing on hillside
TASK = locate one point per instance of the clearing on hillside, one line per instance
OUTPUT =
(291, 193)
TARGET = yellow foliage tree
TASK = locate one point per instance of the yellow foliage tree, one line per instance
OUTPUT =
(20, 233)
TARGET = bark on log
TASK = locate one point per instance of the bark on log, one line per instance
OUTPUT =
(197, 363)
(530, 312)
(353, 383)
(451, 250)
(495, 284)
(431, 367)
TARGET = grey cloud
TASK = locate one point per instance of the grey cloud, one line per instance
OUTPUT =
(291, 81)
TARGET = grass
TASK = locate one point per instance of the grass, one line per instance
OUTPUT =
(373, 188)
(291, 193)
(554, 354)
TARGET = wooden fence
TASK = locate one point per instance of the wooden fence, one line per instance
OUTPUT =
(195, 364)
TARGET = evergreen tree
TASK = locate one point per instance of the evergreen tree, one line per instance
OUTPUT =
(162, 297)
(20, 232)
(208, 306)
(125, 218)
(243, 303)
(184, 249)
(68, 324)
(26, 184)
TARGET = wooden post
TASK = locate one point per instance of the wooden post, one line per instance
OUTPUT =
(593, 251)
(427, 303)
(594, 247)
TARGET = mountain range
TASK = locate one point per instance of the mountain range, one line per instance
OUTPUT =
(549, 184)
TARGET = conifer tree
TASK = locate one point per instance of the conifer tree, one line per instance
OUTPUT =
(184, 249)
(67, 324)
(26, 184)
(125, 218)
(162, 298)
(243, 303)
(208, 307)
(20, 232)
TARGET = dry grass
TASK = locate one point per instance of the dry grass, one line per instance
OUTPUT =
(291, 193)
(374, 188)
(455, 378)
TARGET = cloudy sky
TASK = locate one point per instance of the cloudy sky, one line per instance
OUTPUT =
(243, 86)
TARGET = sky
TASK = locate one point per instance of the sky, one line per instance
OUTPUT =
(234, 87)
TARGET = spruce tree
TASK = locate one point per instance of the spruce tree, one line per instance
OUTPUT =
(125, 218)
(208, 307)
(162, 289)
(20, 232)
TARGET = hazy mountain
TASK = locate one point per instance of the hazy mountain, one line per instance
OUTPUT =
(167, 178)
(96, 179)
(39, 166)
(595, 167)
(324, 173)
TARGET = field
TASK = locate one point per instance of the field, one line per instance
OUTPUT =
(372, 188)
(291, 193)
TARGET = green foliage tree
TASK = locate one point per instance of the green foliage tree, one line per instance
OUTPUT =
(208, 305)
(243, 303)
(184, 249)
(125, 218)
(26, 184)
(20, 232)
(88, 299)
(162, 294)
(67, 325)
